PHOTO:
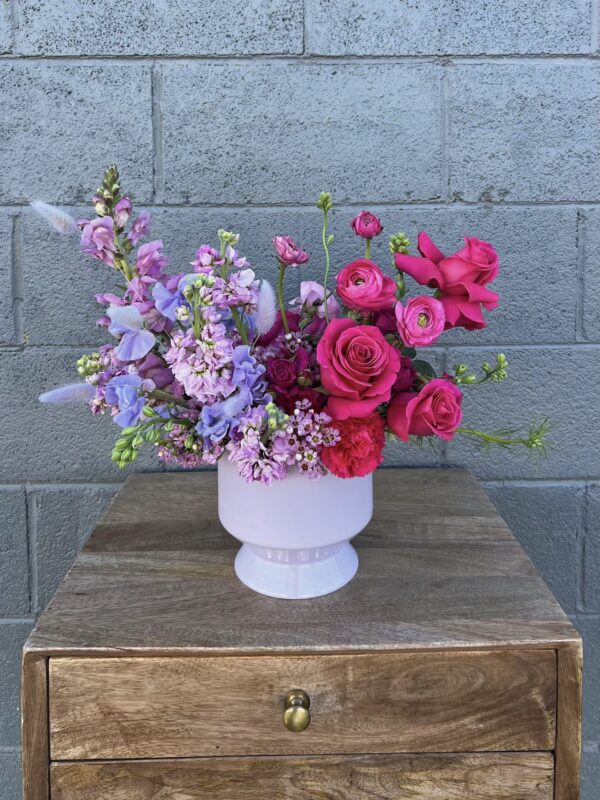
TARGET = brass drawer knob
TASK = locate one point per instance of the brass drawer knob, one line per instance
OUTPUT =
(296, 717)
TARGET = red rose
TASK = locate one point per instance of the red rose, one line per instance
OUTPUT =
(360, 449)
(367, 225)
(287, 399)
(461, 278)
(433, 410)
(358, 368)
(363, 286)
(406, 376)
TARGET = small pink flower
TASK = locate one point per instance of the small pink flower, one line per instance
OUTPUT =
(311, 298)
(367, 225)
(420, 321)
(123, 212)
(363, 286)
(288, 252)
(98, 239)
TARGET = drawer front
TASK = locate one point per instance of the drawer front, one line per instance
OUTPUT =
(425, 777)
(372, 703)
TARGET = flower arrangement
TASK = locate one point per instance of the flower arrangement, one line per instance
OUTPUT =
(213, 363)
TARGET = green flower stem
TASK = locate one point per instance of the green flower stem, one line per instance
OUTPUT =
(159, 394)
(197, 321)
(533, 441)
(368, 249)
(280, 297)
(326, 249)
(240, 325)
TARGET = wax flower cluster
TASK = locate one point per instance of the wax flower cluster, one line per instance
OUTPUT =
(212, 362)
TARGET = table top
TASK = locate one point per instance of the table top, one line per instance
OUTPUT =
(439, 569)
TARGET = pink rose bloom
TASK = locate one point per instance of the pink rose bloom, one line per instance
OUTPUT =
(461, 278)
(288, 252)
(358, 368)
(367, 225)
(360, 449)
(98, 239)
(436, 409)
(363, 286)
(420, 321)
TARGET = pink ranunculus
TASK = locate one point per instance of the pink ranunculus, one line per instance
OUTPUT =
(360, 449)
(460, 278)
(420, 321)
(436, 409)
(362, 286)
(358, 368)
(288, 252)
(367, 225)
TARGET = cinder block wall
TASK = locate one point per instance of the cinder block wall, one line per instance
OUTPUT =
(476, 117)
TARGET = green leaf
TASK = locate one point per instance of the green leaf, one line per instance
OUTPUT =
(409, 351)
(424, 368)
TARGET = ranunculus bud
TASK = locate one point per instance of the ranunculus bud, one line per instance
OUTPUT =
(288, 252)
(367, 225)
(420, 321)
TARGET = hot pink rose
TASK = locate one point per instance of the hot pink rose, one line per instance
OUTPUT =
(363, 286)
(436, 409)
(461, 278)
(367, 225)
(358, 368)
(288, 252)
(420, 321)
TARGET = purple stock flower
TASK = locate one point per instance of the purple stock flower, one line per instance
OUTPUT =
(206, 259)
(123, 212)
(98, 239)
(288, 252)
(127, 321)
(139, 228)
(123, 392)
(150, 260)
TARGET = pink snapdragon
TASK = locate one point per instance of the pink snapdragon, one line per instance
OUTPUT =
(151, 261)
(98, 239)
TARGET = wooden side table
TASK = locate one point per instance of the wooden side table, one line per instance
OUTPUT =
(446, 669)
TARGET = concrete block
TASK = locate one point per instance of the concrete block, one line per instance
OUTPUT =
(6, 34)
(590, 771)
(591, 550)
(591, 276)
(443, 27)
(52, 113)
(63, 518)
(278, 133)
(548, 521)
(160, 27)
(7, 323)
(14, 562)
(535, 387)
(50, 442)
(12, 639)
(10, 776)
(524, 131)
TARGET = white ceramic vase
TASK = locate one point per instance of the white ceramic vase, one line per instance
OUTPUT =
(296, 532)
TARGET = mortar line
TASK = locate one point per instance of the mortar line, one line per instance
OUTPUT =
(445, 134)
(16, 280)
(319, 59)
(305, 41)
(157, 139)
(14, 24)
(16, 621)
(594, 25)
(581, 556)
(527, 483)
(580, 238)
(32, 530)
(309, 205)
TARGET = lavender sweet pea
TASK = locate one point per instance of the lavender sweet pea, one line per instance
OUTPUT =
(127, 322)
(123, 392)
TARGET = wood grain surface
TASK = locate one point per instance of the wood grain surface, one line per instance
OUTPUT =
(505, 776)
(568, 734)
(378, 703)
(34, 727)
(438, 569)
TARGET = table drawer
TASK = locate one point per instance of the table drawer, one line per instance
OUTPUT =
(373, 703)
(501, 776)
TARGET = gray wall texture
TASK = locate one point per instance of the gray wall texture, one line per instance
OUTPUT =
(459, 116)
